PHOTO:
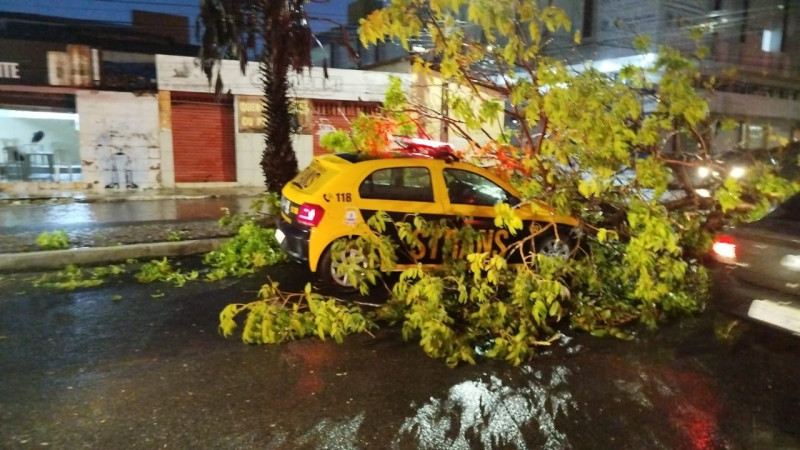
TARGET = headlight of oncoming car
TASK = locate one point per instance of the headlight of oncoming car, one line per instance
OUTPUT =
(737, 172)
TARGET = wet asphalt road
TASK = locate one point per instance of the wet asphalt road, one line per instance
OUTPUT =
(39, 216)
(81, 370)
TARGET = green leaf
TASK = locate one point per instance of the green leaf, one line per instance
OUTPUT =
(642, 43)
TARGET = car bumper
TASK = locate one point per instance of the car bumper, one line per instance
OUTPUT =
(743, 299)
(293, 240)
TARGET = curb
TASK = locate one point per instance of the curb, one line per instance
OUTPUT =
(58, 259)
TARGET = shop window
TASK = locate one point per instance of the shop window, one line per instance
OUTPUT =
(39, 146)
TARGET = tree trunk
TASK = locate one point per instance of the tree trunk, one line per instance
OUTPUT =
(278, 162)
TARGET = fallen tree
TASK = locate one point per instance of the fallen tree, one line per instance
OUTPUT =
(617, 153)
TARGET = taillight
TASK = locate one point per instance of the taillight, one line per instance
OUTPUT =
(310, 214)
(724, 248)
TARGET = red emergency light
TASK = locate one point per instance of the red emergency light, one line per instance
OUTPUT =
(427, 148)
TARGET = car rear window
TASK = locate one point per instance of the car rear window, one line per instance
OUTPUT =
(411, 184)
(788, 210)
(308, 176)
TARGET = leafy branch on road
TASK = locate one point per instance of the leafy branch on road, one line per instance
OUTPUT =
(55, 240)
(162, 270)
(252, 248)
(278, 316)
(73, 277)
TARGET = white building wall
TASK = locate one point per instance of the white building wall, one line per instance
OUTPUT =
(304, 147)
(181, 73)
(250, 146)
(119, 139)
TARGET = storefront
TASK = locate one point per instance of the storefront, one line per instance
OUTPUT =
(221, 139)
(66, 121)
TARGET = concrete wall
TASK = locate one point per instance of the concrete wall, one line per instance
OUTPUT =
(165, 139)
(119, 139)
(250, 146)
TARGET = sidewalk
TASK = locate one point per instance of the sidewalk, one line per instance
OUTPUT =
(94, 242)
(117, 195)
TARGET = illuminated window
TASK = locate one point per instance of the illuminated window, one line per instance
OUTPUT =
(771, 40)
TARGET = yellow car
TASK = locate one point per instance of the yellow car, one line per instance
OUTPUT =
(335, 196)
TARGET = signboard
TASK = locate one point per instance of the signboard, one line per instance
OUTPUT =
(33, 63)
(251, 120)
(9, 70)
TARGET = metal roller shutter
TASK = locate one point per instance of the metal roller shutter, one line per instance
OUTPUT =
(203, 139)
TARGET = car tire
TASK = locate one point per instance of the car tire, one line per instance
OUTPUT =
(327, 273)
(560, 247)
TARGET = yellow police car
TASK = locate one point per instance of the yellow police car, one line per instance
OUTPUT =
(336, 195)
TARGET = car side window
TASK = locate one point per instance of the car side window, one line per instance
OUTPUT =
(469, 188)
(411, 184)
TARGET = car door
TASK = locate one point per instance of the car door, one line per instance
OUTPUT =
(471, 197)
(403, 191)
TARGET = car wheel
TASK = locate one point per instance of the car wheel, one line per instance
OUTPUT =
(557, 247)
(329, 268)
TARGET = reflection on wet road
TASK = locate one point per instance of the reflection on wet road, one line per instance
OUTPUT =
(493, 414)
(60, 216)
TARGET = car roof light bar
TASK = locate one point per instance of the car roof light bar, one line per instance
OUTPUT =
(427, 148)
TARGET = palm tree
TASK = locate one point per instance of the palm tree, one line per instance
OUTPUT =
(277, 33)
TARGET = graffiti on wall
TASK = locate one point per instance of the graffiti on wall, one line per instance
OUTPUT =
(119, 140)
(122, 157)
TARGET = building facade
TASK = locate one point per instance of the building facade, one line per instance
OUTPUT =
(78, 101)
(228, 145)
(77, 116)
(754, 55)
(107, 116)
(84, 115)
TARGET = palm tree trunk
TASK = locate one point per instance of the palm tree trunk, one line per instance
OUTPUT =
(278, 162)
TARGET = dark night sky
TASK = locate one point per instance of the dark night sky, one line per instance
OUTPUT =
(119, 11)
